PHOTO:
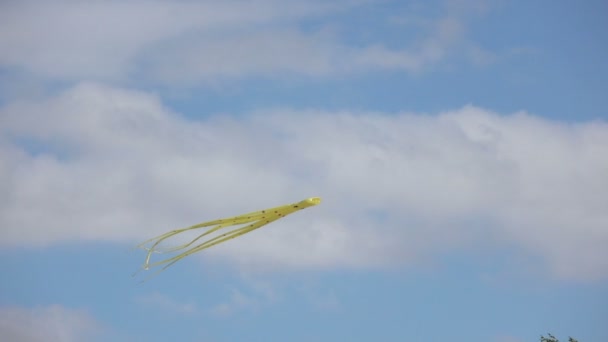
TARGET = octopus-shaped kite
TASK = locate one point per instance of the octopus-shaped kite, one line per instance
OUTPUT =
(255, 219)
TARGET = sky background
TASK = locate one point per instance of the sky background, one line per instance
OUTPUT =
(460, 148)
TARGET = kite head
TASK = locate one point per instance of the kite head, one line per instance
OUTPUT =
(309, 202)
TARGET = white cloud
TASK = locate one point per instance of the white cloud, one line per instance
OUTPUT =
(53, 323)
(193, 42)
(233, 55)
(98, 163)
(100, 39)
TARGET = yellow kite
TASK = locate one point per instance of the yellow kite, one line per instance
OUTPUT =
(255, 219)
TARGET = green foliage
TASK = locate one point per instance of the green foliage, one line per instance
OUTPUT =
(552, 338)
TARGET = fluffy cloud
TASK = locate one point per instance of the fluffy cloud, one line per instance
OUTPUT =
(101, 39)
(53, 323)
(192, 42)
(98, 163)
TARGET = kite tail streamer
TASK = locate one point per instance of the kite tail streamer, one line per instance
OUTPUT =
(255, 219)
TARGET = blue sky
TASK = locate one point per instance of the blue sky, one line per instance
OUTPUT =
(460, 148)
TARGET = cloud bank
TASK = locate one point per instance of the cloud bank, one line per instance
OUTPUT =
(53, 323)
(186, 42)
(101, 163)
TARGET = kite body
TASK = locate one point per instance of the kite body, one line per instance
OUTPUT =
(253, 221)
